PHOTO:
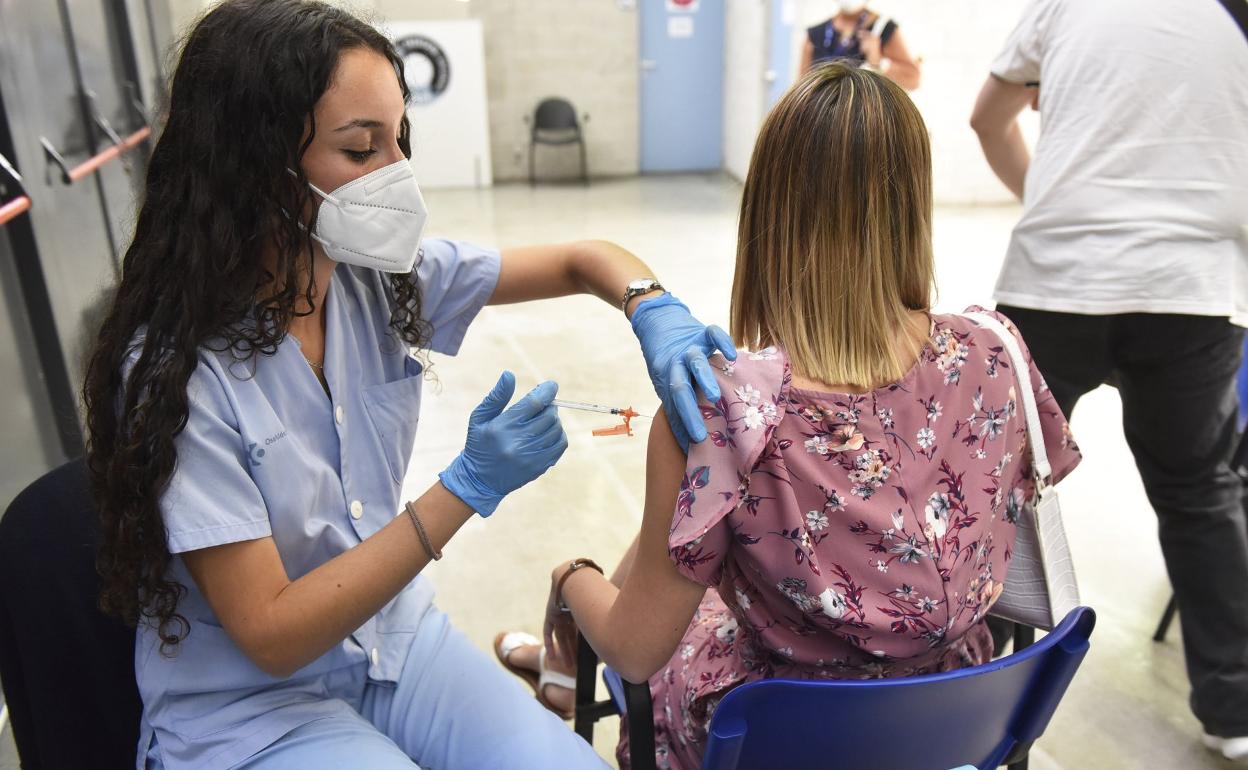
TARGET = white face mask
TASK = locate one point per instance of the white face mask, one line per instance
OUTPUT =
(374, 221)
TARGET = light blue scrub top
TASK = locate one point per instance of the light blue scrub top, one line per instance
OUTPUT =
(269, 454)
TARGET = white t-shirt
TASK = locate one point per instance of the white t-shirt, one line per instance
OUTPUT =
(1137, 196)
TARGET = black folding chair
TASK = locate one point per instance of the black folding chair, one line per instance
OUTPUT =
(555, 122)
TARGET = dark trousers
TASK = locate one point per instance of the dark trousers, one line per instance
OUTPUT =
(1176, 375)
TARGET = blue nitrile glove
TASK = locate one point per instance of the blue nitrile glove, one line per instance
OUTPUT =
(676, 345)
(506, 450)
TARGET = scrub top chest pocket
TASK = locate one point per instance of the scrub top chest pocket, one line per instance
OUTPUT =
(393, 409)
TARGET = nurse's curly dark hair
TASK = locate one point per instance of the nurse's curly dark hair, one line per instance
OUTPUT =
(217, 190)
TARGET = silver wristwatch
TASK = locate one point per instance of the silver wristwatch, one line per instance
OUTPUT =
(639, 287)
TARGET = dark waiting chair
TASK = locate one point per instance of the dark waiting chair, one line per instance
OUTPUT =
(554, 122)
(67, 669)
(979, 717)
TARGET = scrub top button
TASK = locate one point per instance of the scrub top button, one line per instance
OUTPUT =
(357, 509)
(374, 656)
(339, 414)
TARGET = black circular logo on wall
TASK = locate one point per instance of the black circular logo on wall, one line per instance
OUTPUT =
(425, 67)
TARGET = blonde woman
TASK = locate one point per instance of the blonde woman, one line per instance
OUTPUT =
(852, 514)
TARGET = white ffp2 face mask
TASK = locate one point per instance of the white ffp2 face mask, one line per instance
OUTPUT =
(375, 221)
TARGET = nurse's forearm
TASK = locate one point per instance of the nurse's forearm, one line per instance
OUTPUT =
(311, 615)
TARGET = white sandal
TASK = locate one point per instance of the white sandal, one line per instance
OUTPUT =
(508, 642)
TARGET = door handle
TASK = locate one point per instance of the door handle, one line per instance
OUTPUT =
(18, 205)
(92, 164)
(770, 76)
(120, 145)
(136, 102)
(100, 121)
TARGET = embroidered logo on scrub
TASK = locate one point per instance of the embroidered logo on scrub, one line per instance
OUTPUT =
(255, 452)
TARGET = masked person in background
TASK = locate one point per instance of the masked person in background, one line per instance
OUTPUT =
(861, 37)
(252, 403)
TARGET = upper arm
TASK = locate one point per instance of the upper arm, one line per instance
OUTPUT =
(240, 582)
(215, 516)
(808, 53)
(656, 600)
(534, 272)
(998, 105)
(898, 53)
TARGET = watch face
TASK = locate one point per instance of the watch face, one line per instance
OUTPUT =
(644, 283)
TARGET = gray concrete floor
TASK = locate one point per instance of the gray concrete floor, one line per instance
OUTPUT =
(8, 752)
(1128, 706)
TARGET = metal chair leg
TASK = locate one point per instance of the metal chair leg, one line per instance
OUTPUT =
(584, 163)
(586, 710)
(640, 726)
(1167, 618)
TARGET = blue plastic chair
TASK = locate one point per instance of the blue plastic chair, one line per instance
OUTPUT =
(983, 717)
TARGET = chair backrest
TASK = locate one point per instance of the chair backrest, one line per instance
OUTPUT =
(67, 669)
(555, 114)
(972, 716)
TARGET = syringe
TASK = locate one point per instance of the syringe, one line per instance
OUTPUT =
(584, 407)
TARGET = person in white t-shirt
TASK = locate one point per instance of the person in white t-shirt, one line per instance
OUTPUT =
(1130, 266)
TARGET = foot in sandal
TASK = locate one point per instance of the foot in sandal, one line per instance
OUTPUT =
(554, 684)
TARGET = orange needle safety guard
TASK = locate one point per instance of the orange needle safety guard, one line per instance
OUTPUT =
(627, 413)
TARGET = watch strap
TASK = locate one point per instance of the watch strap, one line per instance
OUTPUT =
(572, 567)
(636, 291)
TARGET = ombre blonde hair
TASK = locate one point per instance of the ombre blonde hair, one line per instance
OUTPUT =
(834, 244)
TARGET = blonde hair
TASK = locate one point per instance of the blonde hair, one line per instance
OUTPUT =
(834, 244)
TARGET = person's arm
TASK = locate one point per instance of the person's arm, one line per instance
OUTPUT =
(995, 120)
(283, 625)
(600, 268)
(635, 628)
(674, 343)
(903, 69)
(808, 55)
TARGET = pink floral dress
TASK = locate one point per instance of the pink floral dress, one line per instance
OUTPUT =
(847, 536)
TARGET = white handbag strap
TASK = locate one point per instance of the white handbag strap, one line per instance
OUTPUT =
(1026, 392)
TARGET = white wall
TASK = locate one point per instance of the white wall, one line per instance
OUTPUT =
(585, 51)
(745, 90)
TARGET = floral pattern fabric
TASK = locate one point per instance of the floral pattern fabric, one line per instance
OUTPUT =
(848, 536)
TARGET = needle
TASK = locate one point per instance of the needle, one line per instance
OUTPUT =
(584, 407)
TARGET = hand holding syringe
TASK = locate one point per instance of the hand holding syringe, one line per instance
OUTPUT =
(624, 429)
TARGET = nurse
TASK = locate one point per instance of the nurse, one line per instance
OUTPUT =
(252, 401)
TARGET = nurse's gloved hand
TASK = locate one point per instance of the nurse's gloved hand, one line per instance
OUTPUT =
(676, 346)
(506, 449)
